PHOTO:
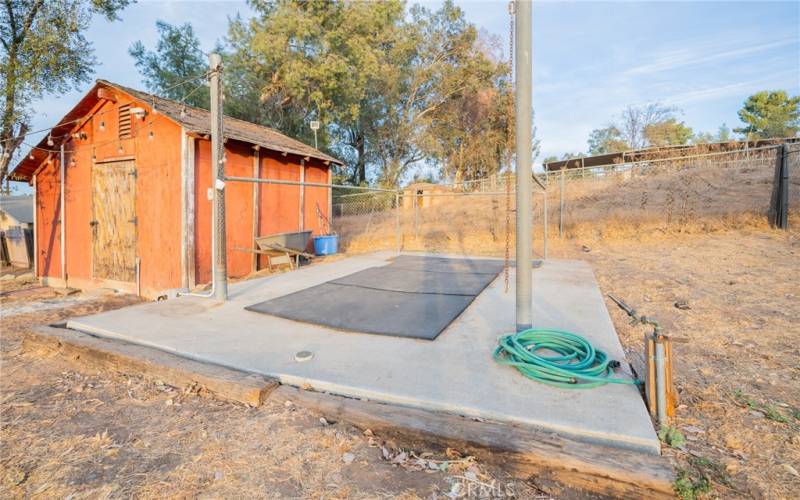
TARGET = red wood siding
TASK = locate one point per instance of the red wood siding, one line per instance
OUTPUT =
(158, 204)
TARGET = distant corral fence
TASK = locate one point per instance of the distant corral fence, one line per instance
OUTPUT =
(694, 192)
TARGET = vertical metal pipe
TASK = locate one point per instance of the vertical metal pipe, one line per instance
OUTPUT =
(256, 202)
(416, 215)
(544, 223)
(138, 276)
(35, 227)
(561, 207)
(302, 195)
(783, 209)
(397, 220)
(661, 381)
(63, 217)
(218, 171)
(524, 95)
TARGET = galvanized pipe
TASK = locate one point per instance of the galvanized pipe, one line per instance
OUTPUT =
(544, 222)
(523, 101)
(308, 184)
(63, 216)
(218, 172)
(661, 380)
(561, 208)
(397, 220)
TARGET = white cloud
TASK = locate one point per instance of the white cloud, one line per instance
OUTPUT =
(699, 55)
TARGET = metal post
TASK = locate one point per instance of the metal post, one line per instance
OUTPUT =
(661, 381)
(783, 209)
(416, 215)
(397, 219)
(218, 172)
(524, 94)
(62, 216)
(561, 208)
(544, 222)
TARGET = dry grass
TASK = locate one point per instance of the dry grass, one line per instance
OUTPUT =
(672, 199)
(75, 434)
(96, 435)
(698, 235)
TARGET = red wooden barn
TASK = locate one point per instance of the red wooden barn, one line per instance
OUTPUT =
(136, 179)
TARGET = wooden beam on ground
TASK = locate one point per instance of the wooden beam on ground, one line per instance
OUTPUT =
(123, 357)
(615, 472)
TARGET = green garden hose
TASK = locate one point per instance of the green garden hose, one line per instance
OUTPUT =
(572, 362)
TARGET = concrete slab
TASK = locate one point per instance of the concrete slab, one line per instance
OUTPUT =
(455, 373)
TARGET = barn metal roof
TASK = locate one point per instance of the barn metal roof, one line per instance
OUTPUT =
(194, 120)
(18, 207)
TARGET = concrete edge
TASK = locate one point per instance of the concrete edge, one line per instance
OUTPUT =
(610, 471)
(607, 470)
(124, 357)
(620, 442)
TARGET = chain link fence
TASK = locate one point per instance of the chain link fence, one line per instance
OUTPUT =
(702, 192)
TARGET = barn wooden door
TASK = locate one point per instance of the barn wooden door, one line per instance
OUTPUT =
(114, 224)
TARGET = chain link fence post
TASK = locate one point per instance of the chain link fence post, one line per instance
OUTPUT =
(416, 215)
(561, 206)
(544, 222)
(397, 220)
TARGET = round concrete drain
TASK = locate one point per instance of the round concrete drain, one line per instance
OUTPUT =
(303, 356)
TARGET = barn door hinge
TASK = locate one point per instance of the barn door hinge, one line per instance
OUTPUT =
(133, 174)
(133, 221)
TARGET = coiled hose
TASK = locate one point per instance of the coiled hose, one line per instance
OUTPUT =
(557, 358)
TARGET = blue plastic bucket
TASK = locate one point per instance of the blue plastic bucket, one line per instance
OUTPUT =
(326, 245)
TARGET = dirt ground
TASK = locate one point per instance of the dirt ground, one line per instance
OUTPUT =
(67, 433)
(72, 434)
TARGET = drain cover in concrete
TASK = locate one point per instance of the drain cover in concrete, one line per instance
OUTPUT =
(414, 297)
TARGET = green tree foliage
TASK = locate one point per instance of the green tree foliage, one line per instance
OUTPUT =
(770, 114)
(42, 50)
(393, 89)
(606, 140)
(723, 135)
(669, 132)
(169, 70)
(450, 101)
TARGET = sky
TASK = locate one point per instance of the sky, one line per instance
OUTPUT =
(590, 59)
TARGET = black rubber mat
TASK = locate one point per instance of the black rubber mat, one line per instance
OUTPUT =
(368, 310)
(415, 297)
(395, 279)
(447, 265)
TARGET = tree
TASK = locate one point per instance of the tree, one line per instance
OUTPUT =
(723, 135)
(447, 102)
(42, 50)
(391, 88)
(635, 119)
(326, 61)
(169, 69)
(468, 133)
(607, 140)
(669, 132)
(770, 114)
